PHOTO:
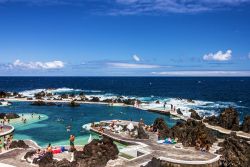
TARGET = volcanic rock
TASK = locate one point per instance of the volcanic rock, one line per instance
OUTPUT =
(246, 124)
(229, 119)
(155, 163)
(212, 120)
(235, 152)
(194, 114)
(40, 95)
(179, 111)
(29, 154)
(190, 101)
(38, 103)
(130, 101)
(18, 144)
(141, 133)
(96, 153)
(108, 101)
(3, 94)
(9, 115)
(188, 133)
(46, 160)
(95, 99)
(74, 104)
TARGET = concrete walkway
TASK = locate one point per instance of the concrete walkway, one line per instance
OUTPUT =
(151, 148)
(7, 129)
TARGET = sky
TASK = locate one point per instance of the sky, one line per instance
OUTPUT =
(124, 37)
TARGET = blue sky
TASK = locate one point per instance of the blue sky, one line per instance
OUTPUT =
(125, 37)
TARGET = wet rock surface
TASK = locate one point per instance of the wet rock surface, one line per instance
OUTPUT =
(18, 144)
(9, 115)
(235, 152)
(228, 119)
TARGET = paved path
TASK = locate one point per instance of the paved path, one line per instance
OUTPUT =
(7, 129)
(180, 155)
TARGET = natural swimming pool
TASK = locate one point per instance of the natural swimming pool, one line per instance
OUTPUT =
(54, 120)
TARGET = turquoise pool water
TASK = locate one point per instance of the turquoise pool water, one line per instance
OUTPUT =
(54, 120)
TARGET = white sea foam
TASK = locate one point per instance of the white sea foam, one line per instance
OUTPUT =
(201, 106)
(31, 93)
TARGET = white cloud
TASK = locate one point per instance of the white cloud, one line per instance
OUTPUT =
(130, 7)
(133, 65)
(219, 56)
(37, 65)
(202, 73)
(136, 58)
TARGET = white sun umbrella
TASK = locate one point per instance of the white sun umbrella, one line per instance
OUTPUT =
(90, 138)
(130, 126)
(119, 128)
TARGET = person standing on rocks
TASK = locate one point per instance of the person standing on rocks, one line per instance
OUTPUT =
(71, 142)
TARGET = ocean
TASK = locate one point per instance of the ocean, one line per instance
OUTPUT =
(210, 94)
(215, 93)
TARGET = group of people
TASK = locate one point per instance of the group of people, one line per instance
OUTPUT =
(5, 120)
(172, 107)
(5, 142)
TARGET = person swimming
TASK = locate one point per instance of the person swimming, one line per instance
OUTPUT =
(68, 128)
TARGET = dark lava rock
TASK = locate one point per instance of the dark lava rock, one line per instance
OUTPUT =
(229, 119)
(245, 127)
(64, 96)
(38, 103)
(194, 114)
(40, 95)
(29, 154)
(46, 160)
(154, 163)
(141, 133)
(18, 144)
(235, 152)
(95, 99)
(97, 153)
(130, 101)
(190, 101)
(3, 94)
(179, 111)
(160, 124)
(108, 101)
(42, 103)
(157, 102)
(9, 115)
(212, 120)
(74, 104)
(188, 133)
